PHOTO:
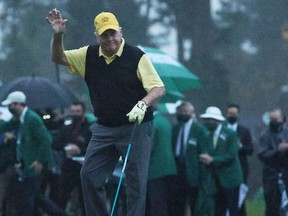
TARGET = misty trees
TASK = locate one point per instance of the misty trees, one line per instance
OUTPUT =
(243, 49)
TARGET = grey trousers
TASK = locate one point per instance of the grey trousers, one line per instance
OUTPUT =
(103, 152)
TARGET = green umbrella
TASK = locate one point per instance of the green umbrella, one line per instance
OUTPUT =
(176, 77)
(172, 96)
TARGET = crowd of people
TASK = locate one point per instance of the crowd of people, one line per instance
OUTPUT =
(199, 165)
(196, 166)
(38, 173)
(207, 155)
(211, 160)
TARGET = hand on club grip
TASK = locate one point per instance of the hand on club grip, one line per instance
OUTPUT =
(138, 112)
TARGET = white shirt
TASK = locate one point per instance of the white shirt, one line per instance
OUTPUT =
(21, 119)
(22, 116)
(216, 134)
(233, 127)
(187, 127)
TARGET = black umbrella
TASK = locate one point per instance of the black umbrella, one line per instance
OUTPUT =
(40, 92)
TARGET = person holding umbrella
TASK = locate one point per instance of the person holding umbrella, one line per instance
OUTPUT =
(123, 86)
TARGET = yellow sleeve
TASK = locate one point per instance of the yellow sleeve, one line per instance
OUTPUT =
(77, 60)
(147, 74)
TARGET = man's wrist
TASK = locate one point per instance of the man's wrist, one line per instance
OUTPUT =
(58, 35)
(145, 102)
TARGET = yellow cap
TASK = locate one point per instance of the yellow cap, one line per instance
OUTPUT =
(105, 21)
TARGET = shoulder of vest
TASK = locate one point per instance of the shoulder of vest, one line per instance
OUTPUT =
(93, 48)
(134, 49)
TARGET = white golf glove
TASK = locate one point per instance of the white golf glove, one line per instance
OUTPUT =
(138, 112)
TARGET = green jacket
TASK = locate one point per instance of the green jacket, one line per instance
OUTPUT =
(162, 161)
(35, 141)
(198, 174)
(226, 165)
(197, 143)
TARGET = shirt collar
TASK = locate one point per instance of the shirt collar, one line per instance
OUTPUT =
(22, 116)
(232, 126)
(189, 123)
(118, 53)
(218, 130)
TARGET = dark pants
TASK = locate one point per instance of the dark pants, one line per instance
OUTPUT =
(69, 180)
(102, 155)
(181, 192)
(8, 192)
(157, 197)
(227, 199)
(28, 190)
(242, 210)
(43, 202)
(272, 198)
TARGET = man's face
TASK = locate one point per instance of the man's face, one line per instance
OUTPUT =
(276, 116)
(110, 41)
(76, 110)
(185, 111)
(14, 108)
(184, 114)
(232, 115)
(232, 111)
(210, 124)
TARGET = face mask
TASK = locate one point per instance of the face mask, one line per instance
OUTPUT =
(232, 119)
(183, 118)
(274, 126)
(211, 126)
(76, 118)
(12, 110)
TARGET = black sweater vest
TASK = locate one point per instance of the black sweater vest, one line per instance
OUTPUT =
(114, 88)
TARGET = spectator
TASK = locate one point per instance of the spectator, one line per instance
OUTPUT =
(223, 160)
(162, 167)
(273, 146)
(34, 150)
(189, 141)
(73, 139)
(244, 141)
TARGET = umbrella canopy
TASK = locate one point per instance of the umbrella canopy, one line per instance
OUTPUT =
(40, 92)
(5, 114)
(176, 76)
(172, 96)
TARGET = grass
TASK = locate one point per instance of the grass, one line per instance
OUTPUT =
(255, 207)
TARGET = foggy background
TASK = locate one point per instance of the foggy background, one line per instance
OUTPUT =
(238, 48)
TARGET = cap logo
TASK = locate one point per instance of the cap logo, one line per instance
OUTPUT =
(105, 19)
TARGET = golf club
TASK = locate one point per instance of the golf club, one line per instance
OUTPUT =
(123, 169)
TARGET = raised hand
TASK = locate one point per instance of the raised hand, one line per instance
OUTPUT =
(56, 21)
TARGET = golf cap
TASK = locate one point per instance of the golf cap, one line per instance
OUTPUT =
(105, 21)
(14, 97)
(213, 113)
